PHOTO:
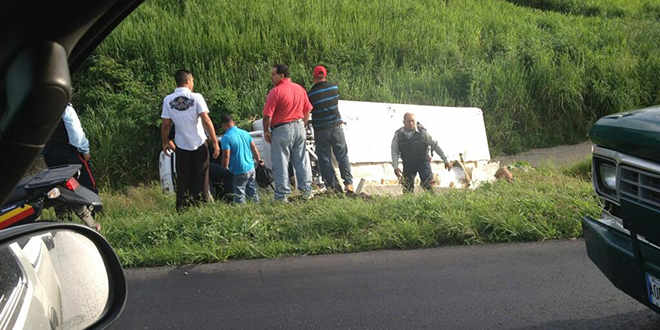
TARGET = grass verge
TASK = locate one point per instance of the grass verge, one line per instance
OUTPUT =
(541, 204)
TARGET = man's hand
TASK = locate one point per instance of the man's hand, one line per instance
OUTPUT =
(268, 136)
(87, 157)
(216, 151)
(398, 173)
(449, 165)
(260, 162)
(167, 148)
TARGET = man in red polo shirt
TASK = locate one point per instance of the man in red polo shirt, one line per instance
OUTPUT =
(286, 114)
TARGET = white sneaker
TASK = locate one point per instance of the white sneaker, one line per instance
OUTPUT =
(307, 195)
(283, 200)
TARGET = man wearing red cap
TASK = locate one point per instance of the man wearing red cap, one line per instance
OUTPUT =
(328, 134)
(285, 115)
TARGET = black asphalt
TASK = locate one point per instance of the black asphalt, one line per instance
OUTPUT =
(550, 285)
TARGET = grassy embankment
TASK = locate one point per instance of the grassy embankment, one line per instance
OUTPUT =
(541, 204)
(542, 76)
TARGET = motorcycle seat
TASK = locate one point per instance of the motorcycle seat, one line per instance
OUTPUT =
(44, 179)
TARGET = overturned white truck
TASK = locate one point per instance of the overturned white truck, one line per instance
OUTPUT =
(370, 127)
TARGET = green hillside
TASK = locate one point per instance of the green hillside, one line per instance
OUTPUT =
(542, 70)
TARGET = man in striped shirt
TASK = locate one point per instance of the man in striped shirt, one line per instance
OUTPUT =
(328, 133)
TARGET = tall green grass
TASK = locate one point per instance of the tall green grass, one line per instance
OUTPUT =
(541, 77)
(606, 8)
(541, 204)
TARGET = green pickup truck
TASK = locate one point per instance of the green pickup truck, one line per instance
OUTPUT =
(625, 242)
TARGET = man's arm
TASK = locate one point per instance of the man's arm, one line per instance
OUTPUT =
(306, 119)
(225, 158)
(435, 147)
(308, 109)
(210, 130)
(255, 153)
(395, 151)
(75, 131)
(166, 129)
(267, 133)
(165, 134)
(269, 111)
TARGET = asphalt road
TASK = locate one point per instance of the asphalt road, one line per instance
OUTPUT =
(550, 285)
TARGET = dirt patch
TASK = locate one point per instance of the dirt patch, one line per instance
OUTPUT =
(554, 157)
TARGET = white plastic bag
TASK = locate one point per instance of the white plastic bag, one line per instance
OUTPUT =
(167, 169)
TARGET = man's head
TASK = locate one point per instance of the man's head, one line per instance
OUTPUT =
(184, 78)
(320, 73)
(226, 121)
(409, 121)
(279, 72)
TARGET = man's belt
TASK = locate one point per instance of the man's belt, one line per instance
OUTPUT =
(288, 122)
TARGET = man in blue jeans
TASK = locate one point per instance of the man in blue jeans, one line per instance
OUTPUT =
(286, 113)
(238, 155)
(328, 134)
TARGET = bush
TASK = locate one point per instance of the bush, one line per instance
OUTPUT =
(121, 117)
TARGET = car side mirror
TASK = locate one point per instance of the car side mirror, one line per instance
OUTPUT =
(58, 276)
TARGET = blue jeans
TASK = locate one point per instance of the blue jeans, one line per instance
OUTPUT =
(410, 170)
(329, 141)
(245, 184)
(288, 143)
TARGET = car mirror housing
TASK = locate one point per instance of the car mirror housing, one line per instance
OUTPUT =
(58, 276)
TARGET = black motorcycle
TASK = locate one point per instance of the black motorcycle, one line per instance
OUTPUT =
(55, 187)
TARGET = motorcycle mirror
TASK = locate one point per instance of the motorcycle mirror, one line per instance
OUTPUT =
(58, 276)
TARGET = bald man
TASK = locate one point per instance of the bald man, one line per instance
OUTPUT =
(412, 143)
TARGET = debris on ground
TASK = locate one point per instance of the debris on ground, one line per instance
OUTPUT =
(504, 173)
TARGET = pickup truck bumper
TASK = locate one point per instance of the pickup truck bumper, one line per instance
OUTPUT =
(612, 250)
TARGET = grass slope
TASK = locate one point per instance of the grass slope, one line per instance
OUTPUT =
(541, 76)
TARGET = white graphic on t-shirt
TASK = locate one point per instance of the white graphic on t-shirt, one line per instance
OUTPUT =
(182, 103)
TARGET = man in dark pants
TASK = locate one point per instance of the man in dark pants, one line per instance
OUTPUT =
(412, 143)
(69, 145)
(328, 133)
(219, 177)
(189, 113)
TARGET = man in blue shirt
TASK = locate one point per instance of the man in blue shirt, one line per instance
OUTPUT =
(238, 155)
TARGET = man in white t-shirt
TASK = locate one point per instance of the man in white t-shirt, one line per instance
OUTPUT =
(189, 113)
